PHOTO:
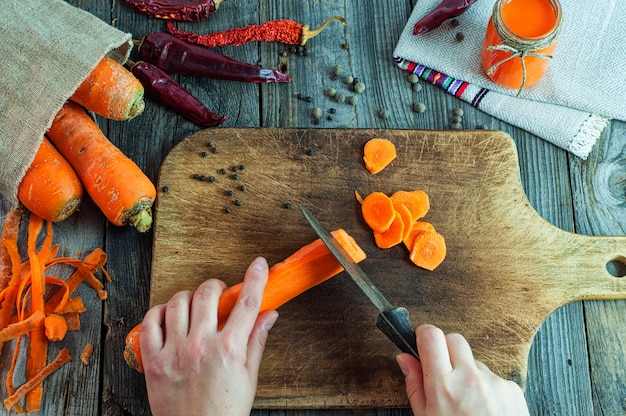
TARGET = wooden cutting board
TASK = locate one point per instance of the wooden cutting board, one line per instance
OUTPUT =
(506, 270)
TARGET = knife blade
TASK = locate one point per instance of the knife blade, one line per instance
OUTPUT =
(393, 321)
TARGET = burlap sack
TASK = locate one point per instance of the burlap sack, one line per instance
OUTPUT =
(47, 49)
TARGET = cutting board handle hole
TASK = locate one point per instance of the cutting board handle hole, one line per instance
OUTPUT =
(617, 267)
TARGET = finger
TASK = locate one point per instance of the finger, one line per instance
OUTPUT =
(433, 350)
(177, 315)
(459, 350)
(204, 306)
(258, 338)
(152, 336)
(414, 381)
(245, 312)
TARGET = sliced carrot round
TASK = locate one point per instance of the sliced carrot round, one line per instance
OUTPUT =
(405, 215)
(392, 236)
(378, 211)
(416, 201)
(416, 229)
(428, 250)
(378, 153)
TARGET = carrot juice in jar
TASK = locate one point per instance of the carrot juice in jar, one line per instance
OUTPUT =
(520, 39)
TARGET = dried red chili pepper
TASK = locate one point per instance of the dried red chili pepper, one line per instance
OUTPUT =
(177, 56)
(444, 11)
(183, 10)
(284, 31)
(160, 87)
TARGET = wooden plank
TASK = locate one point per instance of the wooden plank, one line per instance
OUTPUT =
(525, 273)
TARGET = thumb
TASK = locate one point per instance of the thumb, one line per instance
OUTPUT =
(414, 380)
(256, 343)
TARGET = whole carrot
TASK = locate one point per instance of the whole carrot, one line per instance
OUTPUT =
(50, 188)
(111, 91)
(115, 183)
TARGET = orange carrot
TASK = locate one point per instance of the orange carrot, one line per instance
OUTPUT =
(61, 359)
(111, 91)
(428, 250)
(55, 327)
(50, 188)
(407, 219)
(378, 212)
(115, 183)
(417, 228)
(85, 355)
(391, 236)
(416, 201)
(378, 153)
(304, 269)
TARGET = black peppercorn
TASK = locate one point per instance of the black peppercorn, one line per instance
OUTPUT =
(166, 189)
(204, 154)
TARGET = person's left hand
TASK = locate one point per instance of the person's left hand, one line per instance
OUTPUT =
(191, 367)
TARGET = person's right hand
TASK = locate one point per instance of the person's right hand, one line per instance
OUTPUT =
(449, 381)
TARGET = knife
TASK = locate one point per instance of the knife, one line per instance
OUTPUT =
(394, 322)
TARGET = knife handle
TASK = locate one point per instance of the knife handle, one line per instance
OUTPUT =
(396, 325)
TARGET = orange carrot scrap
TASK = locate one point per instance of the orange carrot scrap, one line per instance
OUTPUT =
(85, 355)
(61, 359)
(378, 153)
(378, 212)
(55, 327)
(23, 327)
(417, 228)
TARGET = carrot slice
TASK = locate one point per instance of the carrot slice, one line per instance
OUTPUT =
(377, 154)
(407, 219)
(428, 250)
(304, 269)
(55, 327)
(378, 211)
(392, 236)
(417, 228)
(416, 201)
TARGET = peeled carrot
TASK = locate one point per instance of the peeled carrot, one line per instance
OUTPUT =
(416, 201)
(304, 269)
(428, 250)
(55, 327)
(115, 183)
(111, 91)
(378, 212)
(50, 188)
(378, 153)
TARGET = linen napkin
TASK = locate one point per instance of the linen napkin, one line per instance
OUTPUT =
(584, 88)
(49, 47)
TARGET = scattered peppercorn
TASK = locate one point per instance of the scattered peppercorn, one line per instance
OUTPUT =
(235, 176)
(308, 99)
(340, 98)
(196, 176)
(242, 188)
(345, 46)
(359, 87)
(413, 79)
(457, 112)
(209, 144)
(204, 154)
(457, 126)
(287, 205)
(457, 119)
(332, 110)
(330, 117)
(348, 79)
(239, 202)
(166, 189)
(227, 210)
(331, 92)
(383, 114)
(419, 107)
(355, 80)
(211, 178)
(337, 70)
(316, 112)
(230, 193)
(203, 178)
(215, 150)
(311, 152)
(242, 166)
(454, 22)
(460, 36)
(353, 100)
(315, 121)
(417, 87)
(223, 171)
(235, 168)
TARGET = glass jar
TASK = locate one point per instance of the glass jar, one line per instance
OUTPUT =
(520, 39)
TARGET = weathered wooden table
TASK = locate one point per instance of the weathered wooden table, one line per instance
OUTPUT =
(577, 364)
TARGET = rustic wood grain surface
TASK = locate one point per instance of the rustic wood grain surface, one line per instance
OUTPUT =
(577, 363)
